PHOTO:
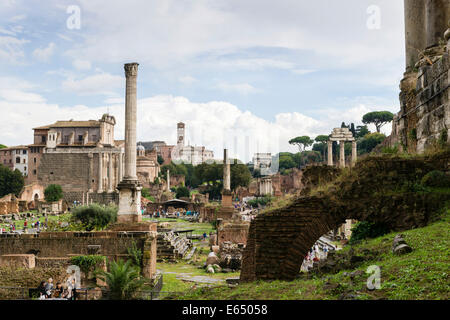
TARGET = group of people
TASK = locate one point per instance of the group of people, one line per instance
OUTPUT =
(67, 291)
(164, 214)
(33, 223)
(315, 254)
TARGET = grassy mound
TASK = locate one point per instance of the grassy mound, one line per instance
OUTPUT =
(421, 274)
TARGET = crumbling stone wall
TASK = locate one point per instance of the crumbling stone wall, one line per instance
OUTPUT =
(63, 245)
(279, 240)
(233, 232)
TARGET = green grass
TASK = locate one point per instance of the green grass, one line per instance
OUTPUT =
(180, 224)
(419, 275)
(19, 223)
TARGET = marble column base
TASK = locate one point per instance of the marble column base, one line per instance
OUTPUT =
(129, 201)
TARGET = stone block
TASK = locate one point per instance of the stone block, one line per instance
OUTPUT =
(27, 261)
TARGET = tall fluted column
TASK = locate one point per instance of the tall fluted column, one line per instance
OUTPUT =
(330, 153)
(100, 172)
(436, 19)
(130, 188)
(342, 154)
(131, 70)
(110, 173)
(226, 171)
(354, 154)
(415, 35)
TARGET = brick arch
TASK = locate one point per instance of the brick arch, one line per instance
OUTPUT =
(279, 241)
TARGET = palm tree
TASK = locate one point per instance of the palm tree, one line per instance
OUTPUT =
(123, 280)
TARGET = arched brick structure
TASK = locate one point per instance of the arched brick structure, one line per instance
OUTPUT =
(279, 240)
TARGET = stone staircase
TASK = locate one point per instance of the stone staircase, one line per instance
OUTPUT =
(171, 246)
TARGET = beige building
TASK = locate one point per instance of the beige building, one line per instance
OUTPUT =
(147, 166)
(81, 156)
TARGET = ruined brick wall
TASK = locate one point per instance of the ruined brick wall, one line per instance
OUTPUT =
(233, 232)
(279, 240)
(64, 244)
(424, 107)
(433, 102)
(70, 170)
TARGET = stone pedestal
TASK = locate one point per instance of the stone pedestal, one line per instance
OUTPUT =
(129, 201)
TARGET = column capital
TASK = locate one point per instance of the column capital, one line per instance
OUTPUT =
(131, 69)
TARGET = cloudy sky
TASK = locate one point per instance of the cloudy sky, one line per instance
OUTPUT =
(247, 74)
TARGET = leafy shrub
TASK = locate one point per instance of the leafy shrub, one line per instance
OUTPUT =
(136, 254)
(53, 193)
(363, 230)
(261, 201)
(436, 179)
(87, 263)
(390, 150)
(95, 216)
(123, 280)
(182, 192)
(443, 137)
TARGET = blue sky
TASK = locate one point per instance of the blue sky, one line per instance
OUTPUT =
(256, 68)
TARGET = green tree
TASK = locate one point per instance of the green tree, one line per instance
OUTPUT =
(182, 192)
(378, 118)
(301, 142)
(321, 144)
(160, 160)
(369, 142)
(53, 193)
(240, 175)
(361, 131)
(123, 280)
(2, 146)
(10, 181)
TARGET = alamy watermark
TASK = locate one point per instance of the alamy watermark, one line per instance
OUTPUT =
(374, 19)
(74, 20)
(374, 280)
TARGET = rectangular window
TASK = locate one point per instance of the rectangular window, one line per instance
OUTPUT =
(34, 172)
(80, 138)
(18, 160)
(34, 160)
(24, 151)
(44, 139)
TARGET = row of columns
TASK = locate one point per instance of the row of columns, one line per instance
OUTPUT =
(102, 157)
(341, 153)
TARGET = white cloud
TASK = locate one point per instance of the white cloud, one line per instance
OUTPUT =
(241, 88)
(11, 49)
(256, 64)
(18, 18)
(303, 71)
(44, 54)
(103, 83)
(187, 80)
(81, 64)
(214, 124)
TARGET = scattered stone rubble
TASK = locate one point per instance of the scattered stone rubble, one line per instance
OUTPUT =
(399, 245)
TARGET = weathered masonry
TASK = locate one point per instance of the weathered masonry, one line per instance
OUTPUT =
(278, 241)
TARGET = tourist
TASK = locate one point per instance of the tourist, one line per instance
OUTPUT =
(204, 236)
(41, 290)
(58, 292)
(49, 287)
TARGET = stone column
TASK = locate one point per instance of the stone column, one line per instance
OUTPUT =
(226, 171)
(120, 166)
(168, 180)
(131, 70)
(110, 174)
(100, 172)
(91, 172)
(342, 154)
(129, 187)
(436, 19)
(354, 154)
(415, 35)
(330, 153)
